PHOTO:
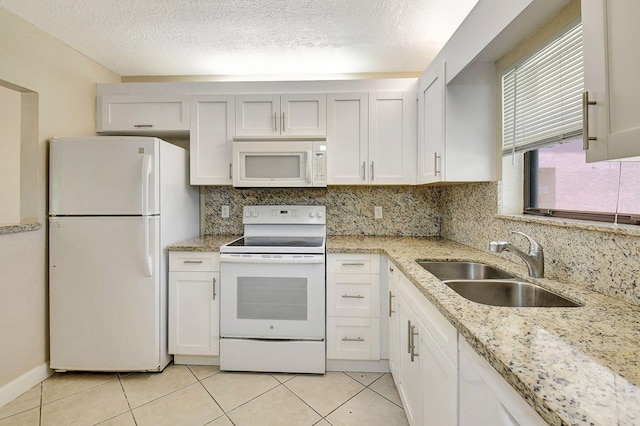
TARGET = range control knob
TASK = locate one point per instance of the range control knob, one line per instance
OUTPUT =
(247, 213)
(320, 214)
(254, 214)
(312, 214)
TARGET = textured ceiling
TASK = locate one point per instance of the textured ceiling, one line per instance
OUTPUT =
(256, 37)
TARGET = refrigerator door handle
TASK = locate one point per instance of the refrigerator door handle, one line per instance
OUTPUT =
(147, 246)
(146, 174)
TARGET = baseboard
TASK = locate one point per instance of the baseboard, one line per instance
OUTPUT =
(196, 359)
(381, 366)
(21, 384)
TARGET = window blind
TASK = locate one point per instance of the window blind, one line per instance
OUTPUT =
(542, 97)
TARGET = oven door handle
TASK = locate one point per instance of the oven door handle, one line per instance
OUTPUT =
(229, 258)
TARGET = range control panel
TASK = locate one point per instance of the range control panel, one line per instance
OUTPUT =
(284, 215)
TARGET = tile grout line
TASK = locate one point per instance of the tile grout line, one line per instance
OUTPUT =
(40, 416)
(127, 399)
(378, 393)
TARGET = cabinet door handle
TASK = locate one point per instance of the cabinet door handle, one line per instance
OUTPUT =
(352, 296)
(139, 126)
(282, 128)
(230, 171)
(364, 170)
(414, 333)
(351, 339)
(436, 157)
(391, 311)
(275, 122)
(353, 264)
(372, 174)
(192, 261)
(585, 121)
(409, 336)
(214, 289)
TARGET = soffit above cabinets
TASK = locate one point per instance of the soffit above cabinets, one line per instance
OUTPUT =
(250, 37)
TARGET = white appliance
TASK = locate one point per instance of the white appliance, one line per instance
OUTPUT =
(114, 203)
(279, 163)
(272, 292)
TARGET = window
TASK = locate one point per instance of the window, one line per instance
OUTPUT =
(542, 120)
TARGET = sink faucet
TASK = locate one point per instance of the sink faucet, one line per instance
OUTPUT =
(534, 259)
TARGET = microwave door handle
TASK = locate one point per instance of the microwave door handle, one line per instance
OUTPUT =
(309, 169)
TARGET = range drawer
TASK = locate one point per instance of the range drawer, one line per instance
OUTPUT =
(194, 261)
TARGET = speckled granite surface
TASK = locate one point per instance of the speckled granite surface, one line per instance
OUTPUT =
(204, 243)
(20, 227)
(603, 257)
(407, 210)
(574, 365)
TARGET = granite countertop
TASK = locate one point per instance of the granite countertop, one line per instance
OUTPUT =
(573, 365)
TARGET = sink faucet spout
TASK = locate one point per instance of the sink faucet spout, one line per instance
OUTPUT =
(534, 259)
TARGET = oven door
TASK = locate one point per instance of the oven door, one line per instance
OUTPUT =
(272, 296)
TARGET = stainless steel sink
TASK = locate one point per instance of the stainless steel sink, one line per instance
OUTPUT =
(508, 293)
(455, 270)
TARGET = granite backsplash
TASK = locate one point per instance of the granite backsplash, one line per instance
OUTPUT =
(406, 210)
(605, 261)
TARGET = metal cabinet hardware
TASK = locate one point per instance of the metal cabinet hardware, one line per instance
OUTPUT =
(364, 170)
(282, 123)
(350, 339)
(372, 172)
(352, 296)
(391, 296)
(230, 171)
(436, 157)
(414, 333)
(352, 263)
(143, 125)
(409, 336)
(585, 121)
(192, 261)
(275, 122)
(214, 289)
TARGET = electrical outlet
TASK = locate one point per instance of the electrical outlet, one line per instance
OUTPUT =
(224, 212)
(378, 212)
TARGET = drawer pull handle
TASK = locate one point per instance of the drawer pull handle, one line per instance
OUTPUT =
(143, 125)
(352, 296)
(413, 333)
(353, 264)
(391, 311)
(192, 261)
(351, 339)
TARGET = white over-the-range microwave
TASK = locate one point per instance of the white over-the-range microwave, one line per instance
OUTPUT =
(279, 163)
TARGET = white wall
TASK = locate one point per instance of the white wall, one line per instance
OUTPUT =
(65, 82)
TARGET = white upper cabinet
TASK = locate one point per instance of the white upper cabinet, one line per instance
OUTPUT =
(371, 138)
(143, 114)
(212, 120)
(281, 115)
(611, 61)
(456, 125)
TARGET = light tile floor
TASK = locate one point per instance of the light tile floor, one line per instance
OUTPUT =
(198, 395)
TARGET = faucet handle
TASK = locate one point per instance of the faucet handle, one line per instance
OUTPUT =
(533, 245)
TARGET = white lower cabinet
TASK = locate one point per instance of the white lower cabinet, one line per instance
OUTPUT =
(486, 398)
(194, 287)
(353, 309)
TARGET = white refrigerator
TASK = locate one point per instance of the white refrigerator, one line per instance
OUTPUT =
(114, 204)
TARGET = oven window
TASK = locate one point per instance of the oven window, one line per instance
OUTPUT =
(272, 298)
(273, 166)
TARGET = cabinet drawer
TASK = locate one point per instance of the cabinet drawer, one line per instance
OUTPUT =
(194, 261)
(353, 263)
(353, 295)
(353, 338)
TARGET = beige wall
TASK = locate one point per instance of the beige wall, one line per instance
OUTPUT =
(65, 82)
(10, 109)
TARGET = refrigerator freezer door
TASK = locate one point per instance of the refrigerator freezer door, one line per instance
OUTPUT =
(104, 176)
(105, 311)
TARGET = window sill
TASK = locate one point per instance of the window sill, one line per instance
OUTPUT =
(20, 227)
(588, 225)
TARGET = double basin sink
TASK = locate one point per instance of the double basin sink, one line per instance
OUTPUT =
(485, 284)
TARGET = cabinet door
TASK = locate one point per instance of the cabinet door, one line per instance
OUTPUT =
(394, 333)
(392, 138)
(347, 138)
(611, 60)
(439, 382)
(431, 125)
(257, 115)
(143, 114)
(303, 114)
(410, 388)
(194, 313)
(212, 119)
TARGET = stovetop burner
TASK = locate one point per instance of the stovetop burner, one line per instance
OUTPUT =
(278, 242)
